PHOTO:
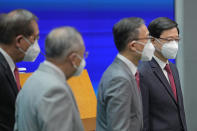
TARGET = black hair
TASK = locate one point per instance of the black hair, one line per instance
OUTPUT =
(158, 25)
(125, 31)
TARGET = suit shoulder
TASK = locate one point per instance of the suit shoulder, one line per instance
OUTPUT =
(115, 77)
(40, 83)
(44, 78)
(172, 64)
(144, 67)
(115, 71)
(3, 72)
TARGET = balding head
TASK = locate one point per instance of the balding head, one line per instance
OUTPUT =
(61, 42)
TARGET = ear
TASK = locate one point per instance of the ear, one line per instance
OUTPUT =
(131, 46)
(72, 57)
(19, 39)
(154, 41)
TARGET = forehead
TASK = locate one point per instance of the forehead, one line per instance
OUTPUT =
(35, 27)
(170, 33)
(143, 31)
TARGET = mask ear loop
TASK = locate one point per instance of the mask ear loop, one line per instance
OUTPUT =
(30, 44)
(140, 44)
(159, 43)
(28, 41)
(78, 56)
(20, 49)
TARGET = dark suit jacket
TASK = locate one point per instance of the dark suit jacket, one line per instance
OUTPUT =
(160, 110)
(8, 93)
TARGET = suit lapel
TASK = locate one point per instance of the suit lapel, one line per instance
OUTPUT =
(130, 74)
(178, 91)
(160, 75)
(124, 66)
(11, 79)
(8, 74)
(177, 84)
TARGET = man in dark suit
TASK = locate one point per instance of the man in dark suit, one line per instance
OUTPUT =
(18, 32)
(163, 108)
(119, 106)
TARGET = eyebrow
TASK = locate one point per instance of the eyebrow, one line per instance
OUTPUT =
(171, 37)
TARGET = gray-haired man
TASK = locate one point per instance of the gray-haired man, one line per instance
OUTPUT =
(18, 42)
(46, 102)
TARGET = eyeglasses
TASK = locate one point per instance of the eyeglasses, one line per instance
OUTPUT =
(85, 55)
(149, 37)
(170, 39)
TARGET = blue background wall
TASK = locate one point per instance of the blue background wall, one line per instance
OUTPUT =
(94, 19)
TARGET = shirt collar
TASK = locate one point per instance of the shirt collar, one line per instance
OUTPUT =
(60, 72)
(8, 59)
(161, 63)
(130, 65)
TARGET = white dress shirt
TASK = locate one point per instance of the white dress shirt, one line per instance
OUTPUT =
(131, 66)
(162, 65)
(9, 60)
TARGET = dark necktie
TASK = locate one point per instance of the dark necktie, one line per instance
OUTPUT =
(16, 74)
(171, 79)
(137, 78)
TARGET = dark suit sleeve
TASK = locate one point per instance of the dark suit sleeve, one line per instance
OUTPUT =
(145, 93)
(181, 96)
(118, 99)
(6, 110)
(145, 101)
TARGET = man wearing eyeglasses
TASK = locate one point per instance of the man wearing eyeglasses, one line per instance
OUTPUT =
(18, 42)
(163, 108)
(46, 102)
(119, 106)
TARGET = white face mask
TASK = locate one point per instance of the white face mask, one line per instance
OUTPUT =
(148, 51)
(169, 50)
(32, 52)
(80, 68)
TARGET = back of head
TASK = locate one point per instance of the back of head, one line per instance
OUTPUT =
(62, 41)
(158, 25)
(16, 22)
(125, 31)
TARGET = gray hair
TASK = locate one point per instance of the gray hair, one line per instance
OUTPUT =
(62, 41)
(16, 22)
